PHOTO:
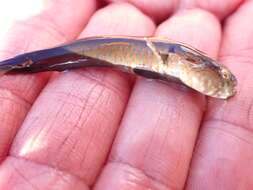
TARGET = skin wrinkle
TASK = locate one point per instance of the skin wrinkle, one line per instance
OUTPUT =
(67, 156)
(156, 125)
(69, 94)
(79, 117)
(83, 160)
(25, 83)
(24, 178)
(17, 99)
(94, 104)
(67, 181)
(9, 133)
(107, 85)
(52, 168)
(65, 139)
(67, 115)
(37, 175)
(146, 153)
(181, 150)
(60, 148)
(231, 124)
(150, 177)
(52, 124)
(31, 124)
(67, 97)
(38, 133)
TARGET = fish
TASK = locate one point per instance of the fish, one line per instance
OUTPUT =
(150, 57)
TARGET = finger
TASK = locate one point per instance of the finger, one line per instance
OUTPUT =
(223, 158)
(111, 25)
(159, 10)
(154, 145)
(221, 10)
(44, 29)
(72, 124)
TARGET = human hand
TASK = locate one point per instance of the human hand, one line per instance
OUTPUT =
(95, 128)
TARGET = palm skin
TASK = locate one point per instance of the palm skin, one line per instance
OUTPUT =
(100, 129)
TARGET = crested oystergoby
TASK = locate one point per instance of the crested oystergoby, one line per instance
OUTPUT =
(150, 57)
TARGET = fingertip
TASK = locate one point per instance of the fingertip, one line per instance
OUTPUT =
(158, 10)
(108, 21)
(196, 27)
(221, 10)
(238, 23)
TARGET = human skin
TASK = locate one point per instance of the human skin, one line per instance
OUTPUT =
(102, 129)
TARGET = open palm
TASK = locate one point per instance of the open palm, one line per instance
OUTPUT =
(101, 129)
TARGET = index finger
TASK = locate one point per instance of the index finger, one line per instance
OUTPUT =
(44, 29)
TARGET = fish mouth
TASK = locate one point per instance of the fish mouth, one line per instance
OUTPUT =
(229, 89)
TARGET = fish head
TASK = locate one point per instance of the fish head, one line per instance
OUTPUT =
(207, 76)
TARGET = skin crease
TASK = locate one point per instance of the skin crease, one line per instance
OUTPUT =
(95, 129)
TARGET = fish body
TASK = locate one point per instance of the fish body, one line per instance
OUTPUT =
(145, 56)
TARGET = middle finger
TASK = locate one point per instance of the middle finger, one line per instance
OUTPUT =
(155, 142)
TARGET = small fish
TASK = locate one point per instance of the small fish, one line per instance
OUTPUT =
(149, 57)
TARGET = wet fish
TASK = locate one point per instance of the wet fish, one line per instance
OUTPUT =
(149, 57)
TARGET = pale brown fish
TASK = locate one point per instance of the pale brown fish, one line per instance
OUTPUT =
(145, 56)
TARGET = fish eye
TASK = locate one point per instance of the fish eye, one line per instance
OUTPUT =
(225, 74)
